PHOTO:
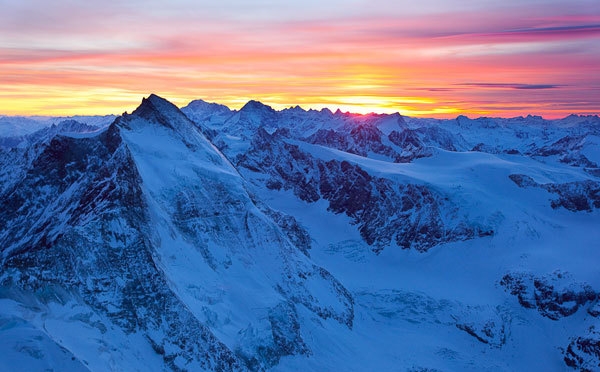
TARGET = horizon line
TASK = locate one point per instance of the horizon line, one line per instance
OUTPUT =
(332, 109)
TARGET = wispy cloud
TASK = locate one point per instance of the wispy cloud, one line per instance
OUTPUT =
(567, 30)
(411, 57)
(512, 86)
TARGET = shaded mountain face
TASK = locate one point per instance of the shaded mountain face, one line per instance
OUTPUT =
(421, 184)
(411, 212)
(408, 215)
(211, 239)
(113, 223)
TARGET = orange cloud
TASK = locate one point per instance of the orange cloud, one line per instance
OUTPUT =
(478, 62)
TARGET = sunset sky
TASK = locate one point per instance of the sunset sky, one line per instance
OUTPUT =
(436, 58)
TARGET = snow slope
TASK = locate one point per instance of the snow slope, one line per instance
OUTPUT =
(446, 309)
(211, 239)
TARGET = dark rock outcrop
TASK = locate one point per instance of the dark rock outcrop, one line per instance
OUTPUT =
(574, 196)
(412, 216)
(583, 352)
(554, 296)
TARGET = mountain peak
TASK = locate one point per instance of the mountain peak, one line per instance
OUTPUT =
(202, 106)
(160, 103)
(158, 113)
(295, 109)
(157, 109)
(253, 105)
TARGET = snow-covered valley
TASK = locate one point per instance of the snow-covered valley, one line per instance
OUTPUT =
(211, 239)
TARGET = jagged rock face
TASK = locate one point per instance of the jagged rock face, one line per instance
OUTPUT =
(82, 225)
(367, 140)
(164, 253)
(209, 207)
(554, 296)
(410, 216)
(583, 353)
(440, 137)
(87, 236)
(250, 117)
(360, 140)
(531, 136)
(568, 149)
(330, 138)
(557, 296)
(42, 194)
(293, 230)
(567, 143)
(574, 196)
(411, 145)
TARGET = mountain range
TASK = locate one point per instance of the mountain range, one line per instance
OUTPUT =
(205, 238)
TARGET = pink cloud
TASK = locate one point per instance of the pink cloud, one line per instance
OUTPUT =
(392, 56)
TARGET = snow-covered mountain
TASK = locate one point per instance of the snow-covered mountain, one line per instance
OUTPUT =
(14, 126)
(212, 239)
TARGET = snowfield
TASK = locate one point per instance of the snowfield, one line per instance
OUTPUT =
(210, 239)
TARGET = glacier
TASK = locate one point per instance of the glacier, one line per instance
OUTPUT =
(205, 238)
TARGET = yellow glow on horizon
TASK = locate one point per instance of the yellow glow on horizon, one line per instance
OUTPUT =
(65, 102)
(426, 65)
(68, 99)
(105, 86)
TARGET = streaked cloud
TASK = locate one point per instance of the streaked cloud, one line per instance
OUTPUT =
(511, 86)
(432, 57)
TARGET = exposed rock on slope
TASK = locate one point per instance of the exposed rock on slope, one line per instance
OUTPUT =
(408, 215)
(574, 196)
(259, 239)
(554, 296)
(95, 221)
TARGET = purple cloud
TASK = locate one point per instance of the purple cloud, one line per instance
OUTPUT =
(512, 85)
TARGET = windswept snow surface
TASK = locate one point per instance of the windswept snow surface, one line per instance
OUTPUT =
(445, 309)
(409, 305)
(247, 243)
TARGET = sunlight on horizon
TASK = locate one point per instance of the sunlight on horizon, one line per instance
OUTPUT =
(70, 58)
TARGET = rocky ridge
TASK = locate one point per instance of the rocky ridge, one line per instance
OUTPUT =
(214, 239)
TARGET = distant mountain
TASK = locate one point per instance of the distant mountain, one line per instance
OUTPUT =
(70, 127)
(15, 126)
(212, 239)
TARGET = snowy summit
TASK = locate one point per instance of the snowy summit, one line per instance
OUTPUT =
(205, 238)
